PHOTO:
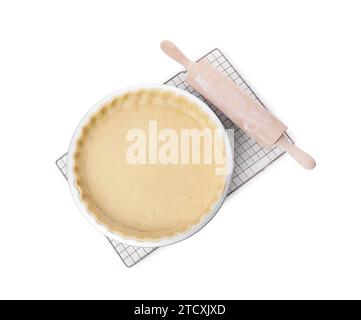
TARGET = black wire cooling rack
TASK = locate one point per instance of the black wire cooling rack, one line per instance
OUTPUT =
(249, 157)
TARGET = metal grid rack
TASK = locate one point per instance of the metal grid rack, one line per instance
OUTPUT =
(249, 157)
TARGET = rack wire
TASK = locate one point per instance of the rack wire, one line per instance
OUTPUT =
(249, 157)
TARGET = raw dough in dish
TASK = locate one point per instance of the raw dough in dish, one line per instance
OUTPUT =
(143, 201)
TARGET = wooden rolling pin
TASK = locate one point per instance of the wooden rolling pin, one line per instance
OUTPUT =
(238, 105)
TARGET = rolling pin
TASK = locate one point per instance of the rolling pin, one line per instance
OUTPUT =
(237, 105)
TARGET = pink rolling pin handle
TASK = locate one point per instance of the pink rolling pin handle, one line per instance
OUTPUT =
(172, 51)
(304, 159)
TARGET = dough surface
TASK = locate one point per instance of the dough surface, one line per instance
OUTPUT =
(143, 201)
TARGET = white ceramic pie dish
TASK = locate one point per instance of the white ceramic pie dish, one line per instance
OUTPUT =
(164, 241)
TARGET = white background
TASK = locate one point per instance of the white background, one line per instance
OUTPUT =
(289, 233)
